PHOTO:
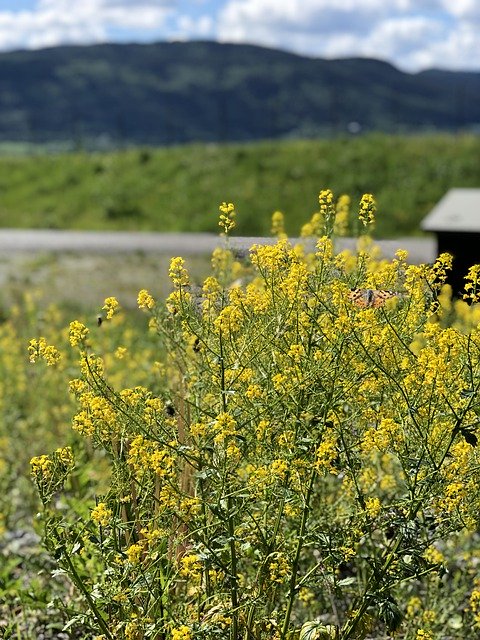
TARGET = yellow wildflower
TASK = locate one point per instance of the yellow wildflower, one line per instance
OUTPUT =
(181, 633)
(134, 553)
(367, 210)
(101, 514)
(145, 300)
(227, 216)
(111, 305)
(77, 333)
(177, 272)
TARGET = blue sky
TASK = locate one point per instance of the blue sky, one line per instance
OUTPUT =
(412, 34)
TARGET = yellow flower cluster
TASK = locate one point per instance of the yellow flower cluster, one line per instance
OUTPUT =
(97, 415)
(373, 507)
(40, 349)
(227, 217)
(442, 266)
(211, 295)
(182, 633)
(191, 566)
(134, 553)
(278, 567)
(229, 320)
(224, 427)
(50, 472)
(145, 300)
(278, 224)
(474, 602)
(145, 455)
(78, 333)
(472, 285)
(178, 273)
(327, 453)
(110, 305)
(42, 467)
(101, 514)
(367, 210)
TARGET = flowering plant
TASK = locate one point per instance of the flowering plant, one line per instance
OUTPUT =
(304, 464)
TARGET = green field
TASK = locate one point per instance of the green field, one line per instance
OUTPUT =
(179, 188)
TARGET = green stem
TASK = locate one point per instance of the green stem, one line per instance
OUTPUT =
(233, 571)
(78, 581)
(231, 520)
(301, 538)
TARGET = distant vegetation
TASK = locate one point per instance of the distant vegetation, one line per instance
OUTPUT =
(166, 93)
(179, 188)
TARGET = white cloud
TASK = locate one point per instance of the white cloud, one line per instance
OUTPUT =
(55, 22)
(464, 9)
(188, 27)
(413, 34)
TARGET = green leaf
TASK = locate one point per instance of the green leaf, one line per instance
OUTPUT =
(318, 631)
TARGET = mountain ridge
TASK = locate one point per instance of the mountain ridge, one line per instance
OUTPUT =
(177, 92)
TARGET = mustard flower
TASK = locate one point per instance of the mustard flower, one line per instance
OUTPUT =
(423, 635)
(233, 452)
(413, 607)
(182, 633)
(40, 349)
(224, 426)
(227, 216)
(120, 352)
(101, 514)
(367, 210)
(272, 258)
(475, 600)
(296, 352)
(327, 210)
(429, 616)
(64, 456)
(134, 553)
(253, 392)
(162, 463)
(433, 555)
(373, 507)
(178, 273)
(78, 332)
(278, 567)
(211, 294)
(83, 424)
(111, 305)
(145, 300)
(221, 261)
(50, 472)
(177, 299)
(278, 224)
(132, 629)
(441, 266)
(41, 467)
(191, 566)
(229, 320)
(278, 469)
(327, 454)
(472, 285)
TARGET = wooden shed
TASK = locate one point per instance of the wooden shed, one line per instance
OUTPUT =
(455, 220)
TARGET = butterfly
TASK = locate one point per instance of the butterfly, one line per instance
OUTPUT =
(371, 297)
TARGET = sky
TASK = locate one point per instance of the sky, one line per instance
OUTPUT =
(411, 34)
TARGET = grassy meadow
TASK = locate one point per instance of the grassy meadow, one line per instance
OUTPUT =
(178, 188)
